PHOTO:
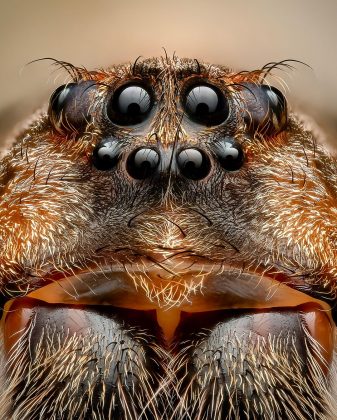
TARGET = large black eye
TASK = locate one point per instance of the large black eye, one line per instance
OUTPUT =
(265, 108)
(69, 106)
(206, 105)
(130, 105)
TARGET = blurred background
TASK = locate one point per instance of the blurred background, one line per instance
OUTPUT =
(241, 34)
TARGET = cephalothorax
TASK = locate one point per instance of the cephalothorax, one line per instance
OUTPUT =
(168, 251)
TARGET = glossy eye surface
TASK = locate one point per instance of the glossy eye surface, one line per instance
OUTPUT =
(130, 105)
(142, 163)
(206, 105)
(265, 109)
(193, 163)
(229, 154)
(69, 106)
(106, 154)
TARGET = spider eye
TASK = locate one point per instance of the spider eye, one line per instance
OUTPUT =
(206, 105)
(130, 105)
(106, 154)
(265, 108)
(229, 153)
(69, 106)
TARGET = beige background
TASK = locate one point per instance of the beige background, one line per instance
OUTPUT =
(241, 34)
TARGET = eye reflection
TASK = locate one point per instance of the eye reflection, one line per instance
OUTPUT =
(70, 106)
(130, 105)
(206, 105)
(265, 109)
(229, 154)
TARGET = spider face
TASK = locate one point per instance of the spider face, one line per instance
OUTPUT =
(168, 251)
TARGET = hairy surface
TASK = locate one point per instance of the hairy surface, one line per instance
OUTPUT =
(222, 375)
(161, 249)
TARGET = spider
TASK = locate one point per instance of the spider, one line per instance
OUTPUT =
(168, 251)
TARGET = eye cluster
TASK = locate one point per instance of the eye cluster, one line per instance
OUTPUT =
(263, 107)
(70, 105)
(191, 162)
(203, 103)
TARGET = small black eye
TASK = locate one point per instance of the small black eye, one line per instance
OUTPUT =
(265, 109)
(229, 154)
(69, 106)
(193, 163)
(206, 105)
(106, 154)
(142, 163)
(130, 105)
